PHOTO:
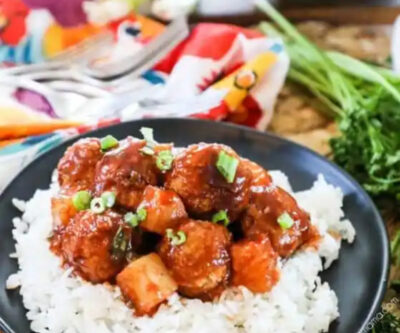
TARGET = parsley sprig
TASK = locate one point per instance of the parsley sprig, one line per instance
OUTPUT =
(365, 100)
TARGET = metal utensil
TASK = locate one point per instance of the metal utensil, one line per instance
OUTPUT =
(78, 77)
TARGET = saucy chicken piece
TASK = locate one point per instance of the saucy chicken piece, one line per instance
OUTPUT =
(267, 204)
(62, 210)
(254, 264)
(201, 265)
(259, 176)
(147, 283)
(203, 189)
(86, 244)
(76, 168)
(126, 171)
(164, 209)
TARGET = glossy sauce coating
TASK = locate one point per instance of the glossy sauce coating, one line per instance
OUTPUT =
(86, 244)
(76, 168)
(146, 283)
(164, 209)
(62, 210)
(259, 176)
(254, 264)
(201, 265)
(204, 191)
(152, 267)
(126, 171)
(267, 204)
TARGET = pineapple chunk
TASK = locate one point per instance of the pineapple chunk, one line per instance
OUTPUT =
(254, 264)
(146, 283)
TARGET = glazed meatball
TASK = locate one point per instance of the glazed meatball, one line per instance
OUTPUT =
(86, 244)
(76, 168)
(260, 261)
(126, 171)
(203, 189)
(267, 204)
(201, 265)
(259, 176)
(164, 209)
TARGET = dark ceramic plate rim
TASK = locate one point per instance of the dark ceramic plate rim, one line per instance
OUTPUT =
(384, 278)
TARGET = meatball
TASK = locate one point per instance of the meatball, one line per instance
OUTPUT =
(260, 261)
(203, 189)
(126, 171)
(76, 168)
(86, 244)
(267, 204)
(259, 176)
(164, 209)
(201, 265)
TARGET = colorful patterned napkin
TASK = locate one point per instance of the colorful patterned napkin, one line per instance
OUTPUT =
(221, 72)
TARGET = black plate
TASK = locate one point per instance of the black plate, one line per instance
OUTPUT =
(359, 277)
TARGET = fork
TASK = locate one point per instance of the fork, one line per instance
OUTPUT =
(80, 78)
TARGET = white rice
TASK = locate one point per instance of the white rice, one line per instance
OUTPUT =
(58, 302)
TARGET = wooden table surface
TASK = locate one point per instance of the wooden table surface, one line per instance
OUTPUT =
(333, 11)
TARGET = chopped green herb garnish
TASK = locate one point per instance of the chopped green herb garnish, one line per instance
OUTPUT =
(132, 219)
(108, 199)
(363, 98)
(97, 206)
(176, 239)
(108, 142)
(150, 142)
(120, 244)
(147, 150)
(227, 166)
(147, 133)
(285, 221)
(181, 238)
(141, 214)
(164, 160)
(221, 216)
(81, 200)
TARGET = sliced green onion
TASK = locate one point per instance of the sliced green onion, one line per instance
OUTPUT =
(108, 142)
(227, 166)
(180, 238)
(141, 214)
(147, 150)
(134, 219)
(81, 200)
(108, 199)
(150, 142)
(164, 160)
(221, 216)
(285, 221)
(120, 244)
(131, 219)
(169, 233)
(176, 239)
(97, 206)
(147, 133)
